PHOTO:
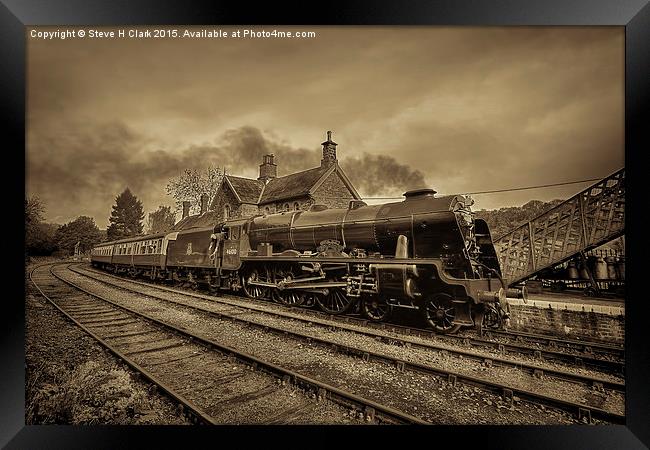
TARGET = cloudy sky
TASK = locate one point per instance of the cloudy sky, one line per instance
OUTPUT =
(458, 109)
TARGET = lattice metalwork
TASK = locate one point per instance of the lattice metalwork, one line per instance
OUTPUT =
(587, 220)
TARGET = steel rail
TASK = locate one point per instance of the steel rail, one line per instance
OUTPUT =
(585, 357)
(372, 409)
(192, 408)
(585, 345)
(534, 397)
(613, 366)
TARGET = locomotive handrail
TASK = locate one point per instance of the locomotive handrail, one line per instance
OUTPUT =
(353, 222)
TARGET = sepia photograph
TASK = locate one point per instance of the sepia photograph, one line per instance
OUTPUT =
(325, 225)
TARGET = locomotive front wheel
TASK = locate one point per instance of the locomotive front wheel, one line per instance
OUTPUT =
(376, 308)
(334, 302)
(439, 312)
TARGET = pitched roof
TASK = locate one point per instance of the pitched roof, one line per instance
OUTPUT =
(246, 189)
(294, 185)
(206, 219)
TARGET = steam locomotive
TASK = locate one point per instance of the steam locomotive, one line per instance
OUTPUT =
(425, 253)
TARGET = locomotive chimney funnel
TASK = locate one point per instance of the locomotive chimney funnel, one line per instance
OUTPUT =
(204, 203)
(418, 193)
(186, 209)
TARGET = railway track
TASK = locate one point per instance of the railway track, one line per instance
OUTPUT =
(408, 334)
(492, 386)
(587, 349)
(212, 382)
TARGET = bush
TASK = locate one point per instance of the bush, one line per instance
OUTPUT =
(90, 394)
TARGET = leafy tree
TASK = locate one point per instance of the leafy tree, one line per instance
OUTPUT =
(41, 240)
(163, 219)
(126, 216)
(82, 230)
(503, 220)
(191, 184)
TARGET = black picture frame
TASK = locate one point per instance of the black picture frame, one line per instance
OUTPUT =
(634, 15)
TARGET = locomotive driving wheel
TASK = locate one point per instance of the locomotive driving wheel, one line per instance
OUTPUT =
(290, 297)
(253, 290)
(335, 301)
(309, 300)
(439, 312)
(376, 308)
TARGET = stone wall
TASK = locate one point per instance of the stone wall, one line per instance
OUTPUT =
(333, 193)
(223, 197)
(607, 326)
(304, 203)
(246, 210)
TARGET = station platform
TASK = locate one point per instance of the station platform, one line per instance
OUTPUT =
(573, 301)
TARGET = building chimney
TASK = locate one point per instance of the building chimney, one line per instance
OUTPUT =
(329, 151)
(204, 203)
(186, 209)
(268, 169)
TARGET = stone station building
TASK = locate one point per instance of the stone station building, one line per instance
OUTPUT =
(239, 197)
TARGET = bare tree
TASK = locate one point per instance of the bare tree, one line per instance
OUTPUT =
(34, 211)
(193, 183)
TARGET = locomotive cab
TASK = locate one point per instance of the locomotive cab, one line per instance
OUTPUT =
(235, 244)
